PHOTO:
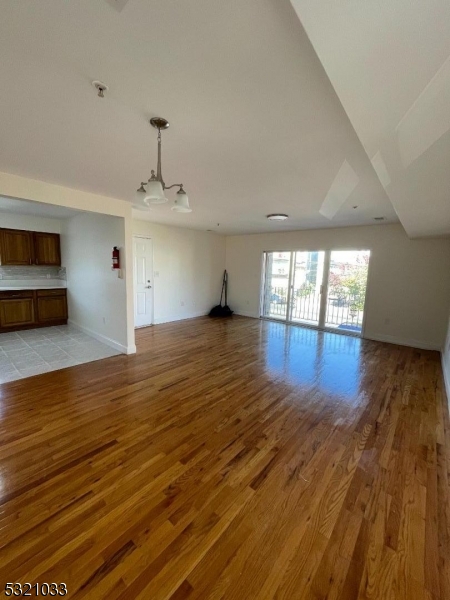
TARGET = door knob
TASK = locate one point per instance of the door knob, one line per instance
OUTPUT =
(148, 286)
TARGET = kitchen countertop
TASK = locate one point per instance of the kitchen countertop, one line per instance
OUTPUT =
(31, 287)
(13, 285)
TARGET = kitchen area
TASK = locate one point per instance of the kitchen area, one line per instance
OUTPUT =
(36, 333)
(29, 296)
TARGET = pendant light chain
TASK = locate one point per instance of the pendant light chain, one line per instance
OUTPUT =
(159, 167)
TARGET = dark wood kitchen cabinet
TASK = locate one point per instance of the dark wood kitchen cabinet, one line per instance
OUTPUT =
(16, 247)
(26, 309)
(47, 249)
(51, 306)
(20, 248)
(17, 310)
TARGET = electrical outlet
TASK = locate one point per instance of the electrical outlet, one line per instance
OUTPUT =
(49, 276)
(104, 320)
(182, 303)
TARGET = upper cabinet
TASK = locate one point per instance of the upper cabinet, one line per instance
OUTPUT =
(47, 249)
(19, 248)
(16, 247)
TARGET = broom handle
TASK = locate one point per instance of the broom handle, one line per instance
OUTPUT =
(225, 279)
(223, 288)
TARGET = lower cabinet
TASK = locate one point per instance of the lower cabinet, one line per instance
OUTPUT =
(32, 308)
(51, 306)
(17, 310)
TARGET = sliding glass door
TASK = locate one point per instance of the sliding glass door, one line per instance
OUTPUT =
(346, 289)
(316, 288)
(277, 268)
(306, 287)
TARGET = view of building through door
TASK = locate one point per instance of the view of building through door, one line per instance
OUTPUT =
(306, 287)
(317, 288)
(143, 281)
(346, 289)
(277, 267)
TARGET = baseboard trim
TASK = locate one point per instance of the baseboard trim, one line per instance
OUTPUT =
(390, 339)
(180, 318)
(446, 378)
(105, 340)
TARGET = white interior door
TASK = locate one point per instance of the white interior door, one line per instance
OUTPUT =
(143, 281)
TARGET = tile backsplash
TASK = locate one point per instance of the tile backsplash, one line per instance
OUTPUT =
(11, 273)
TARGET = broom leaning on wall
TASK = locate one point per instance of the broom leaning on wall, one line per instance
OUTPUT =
(219, 310)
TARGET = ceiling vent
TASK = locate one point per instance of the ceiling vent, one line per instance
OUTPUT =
(117, 4)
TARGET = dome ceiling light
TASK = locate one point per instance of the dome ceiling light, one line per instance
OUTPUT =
(277, 217)
(152, 191)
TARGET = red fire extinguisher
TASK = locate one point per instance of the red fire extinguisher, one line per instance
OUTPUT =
(115, 258)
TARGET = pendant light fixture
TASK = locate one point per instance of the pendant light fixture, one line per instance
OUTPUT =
(152, 192)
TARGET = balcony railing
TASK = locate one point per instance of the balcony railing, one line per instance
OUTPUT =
(343, 310)
(276, 302)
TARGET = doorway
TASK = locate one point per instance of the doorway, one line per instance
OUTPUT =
(322, 289)
(143, 281)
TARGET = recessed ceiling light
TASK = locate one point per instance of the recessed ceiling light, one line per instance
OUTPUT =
(277, 217)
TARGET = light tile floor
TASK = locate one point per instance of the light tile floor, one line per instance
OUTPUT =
(35, 351)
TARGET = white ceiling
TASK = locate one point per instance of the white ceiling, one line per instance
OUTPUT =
(389, 64)
(256, 126)
(35, 209)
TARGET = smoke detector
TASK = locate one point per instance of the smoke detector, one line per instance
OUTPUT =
(100, 87)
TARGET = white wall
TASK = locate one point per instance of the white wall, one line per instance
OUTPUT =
(30, 223)
(97, 298)
(408, 290)
(188, 268)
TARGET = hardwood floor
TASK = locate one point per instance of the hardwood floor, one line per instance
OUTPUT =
(231, 459)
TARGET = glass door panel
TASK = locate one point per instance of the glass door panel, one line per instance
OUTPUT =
(307, 278)
(276, 284)
(346, 290)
